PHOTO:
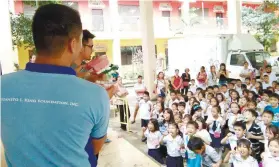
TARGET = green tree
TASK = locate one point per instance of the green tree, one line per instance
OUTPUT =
(21, 25)
(263, 21)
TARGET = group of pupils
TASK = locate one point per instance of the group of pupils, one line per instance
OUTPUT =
(222, 124)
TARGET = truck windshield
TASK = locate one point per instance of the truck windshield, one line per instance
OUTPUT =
(257, 58)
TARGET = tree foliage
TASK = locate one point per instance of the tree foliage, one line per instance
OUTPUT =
(21, 31)
(263, 21)
(21, 25)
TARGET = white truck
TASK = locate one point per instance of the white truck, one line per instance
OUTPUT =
(194, 51)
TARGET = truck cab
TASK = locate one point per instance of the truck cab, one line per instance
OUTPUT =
(245, 48)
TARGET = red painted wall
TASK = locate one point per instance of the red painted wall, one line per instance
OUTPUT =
(176, 4)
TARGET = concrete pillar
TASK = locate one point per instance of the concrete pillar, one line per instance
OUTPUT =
(234, 16)
(114, 17)
(185, 11)
(6, 50)
(148, 43)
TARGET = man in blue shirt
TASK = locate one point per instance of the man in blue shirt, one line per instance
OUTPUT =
(48, 113)
(274, 107)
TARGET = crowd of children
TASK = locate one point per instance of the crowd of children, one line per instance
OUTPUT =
(234, 123)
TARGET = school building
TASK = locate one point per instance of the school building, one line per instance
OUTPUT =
(116, 24)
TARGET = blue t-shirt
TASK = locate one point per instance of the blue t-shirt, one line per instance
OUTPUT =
(192, 159)
(48, 114)
(275, 111)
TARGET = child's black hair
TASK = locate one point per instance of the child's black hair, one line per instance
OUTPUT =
(185, 98)
(173, 92)
(177, 128)
(146, 93)
(210, 94)
(182, 104)
(267, 92)
(243, 86)
(240, 124)
(274, 130)
(255, 96)
(221, 94)
(268, 112)
(253, 112)
(245, 91)
(253, 102)
(204, 125)
(209, 87)
(274, 95)
(218, 108)
(195, 108)
(234, 91)
(155, 124)
(215, 86)
(215, 98)
(176, 104)
(171, 115)
(195, 124)
(199, 89)
(245, 142)
(224, 85)
(248, 78)
(195, 143)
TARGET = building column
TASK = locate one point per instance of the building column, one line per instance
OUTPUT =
(148, 43)
(6, 51)
(185, 11)
(234, 16)
(114, 17)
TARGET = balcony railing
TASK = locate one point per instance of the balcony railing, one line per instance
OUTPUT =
(167, 24)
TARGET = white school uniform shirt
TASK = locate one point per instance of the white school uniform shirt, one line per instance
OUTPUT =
(171, 102)
(238, 161)
(145, 109)
(263, 128)
(262, 104)
(203, 105)
(223, 105)
(153, 139)
(219, 123)
(239, 90)
(231, 119)
(232, 141)
(193, 88)
(187, 108)
(227, 95)
(272, 77)
(138, 87)
(269, 160)
(266, 85)
(173, 145)
(204, 135)
(245, 72)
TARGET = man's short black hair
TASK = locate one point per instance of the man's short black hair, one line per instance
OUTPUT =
(195, 143)
(139, 76)
(86, 36)
(52, 27)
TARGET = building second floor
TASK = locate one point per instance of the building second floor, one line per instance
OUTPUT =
(207, 16)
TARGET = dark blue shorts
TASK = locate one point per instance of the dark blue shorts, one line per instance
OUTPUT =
(174, 161)
(156, 154)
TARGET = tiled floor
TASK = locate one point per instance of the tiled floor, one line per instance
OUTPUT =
(120, 153)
